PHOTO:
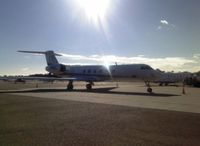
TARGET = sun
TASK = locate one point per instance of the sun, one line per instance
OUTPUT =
(95, 10)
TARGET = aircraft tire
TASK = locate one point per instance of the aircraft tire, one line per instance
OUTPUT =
(89, 86)
(149, 90)
(70, 87)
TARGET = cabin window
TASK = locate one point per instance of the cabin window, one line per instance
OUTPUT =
(94, 71)
(84, 71)
(89, 70)
(145, 67)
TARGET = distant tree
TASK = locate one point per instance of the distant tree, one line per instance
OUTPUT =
(198, 73)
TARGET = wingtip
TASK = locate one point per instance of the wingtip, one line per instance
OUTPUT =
(58, 54)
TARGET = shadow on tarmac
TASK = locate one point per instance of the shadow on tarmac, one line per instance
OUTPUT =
(107, 90)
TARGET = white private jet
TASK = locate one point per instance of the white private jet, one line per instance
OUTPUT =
(95, 73)
(171, 77)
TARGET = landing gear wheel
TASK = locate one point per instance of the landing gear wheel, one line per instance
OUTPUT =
(70, 86)
(149, 90)
(89, 86)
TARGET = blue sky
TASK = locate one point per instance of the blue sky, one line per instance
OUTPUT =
(162, 33)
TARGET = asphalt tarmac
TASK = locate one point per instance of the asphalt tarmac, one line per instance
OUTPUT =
(127, 94)
(126, 115)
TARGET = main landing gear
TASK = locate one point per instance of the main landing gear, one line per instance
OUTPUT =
(149, 89)
(89, 86)
(70, 86)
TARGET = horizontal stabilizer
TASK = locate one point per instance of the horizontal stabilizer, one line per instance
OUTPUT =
(50, 56)
(40, 52)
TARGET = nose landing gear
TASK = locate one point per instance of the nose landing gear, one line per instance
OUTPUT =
(149, 89)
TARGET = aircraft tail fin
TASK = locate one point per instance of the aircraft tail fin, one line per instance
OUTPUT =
(50, 56)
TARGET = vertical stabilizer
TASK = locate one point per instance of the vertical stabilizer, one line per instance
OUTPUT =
(51, 58)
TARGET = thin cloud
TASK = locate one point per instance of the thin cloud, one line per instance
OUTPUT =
(166, 63)
(25, 69)
(196, 56)
(164, 22)
(159, 27)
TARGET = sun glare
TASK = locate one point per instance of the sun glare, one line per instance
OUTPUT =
(106, 62)
(107, 65)
(95, 10)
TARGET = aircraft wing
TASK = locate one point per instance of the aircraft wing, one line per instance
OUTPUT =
(38, 78)
(90, 78)
(76, 78)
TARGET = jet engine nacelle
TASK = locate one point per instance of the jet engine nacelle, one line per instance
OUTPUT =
(56, 68)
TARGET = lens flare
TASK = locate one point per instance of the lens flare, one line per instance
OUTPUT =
(95, 10)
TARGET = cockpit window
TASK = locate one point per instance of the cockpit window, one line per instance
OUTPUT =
(146, 67)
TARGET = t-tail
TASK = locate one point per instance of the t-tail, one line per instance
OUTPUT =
(53, 66)
(50, 56)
